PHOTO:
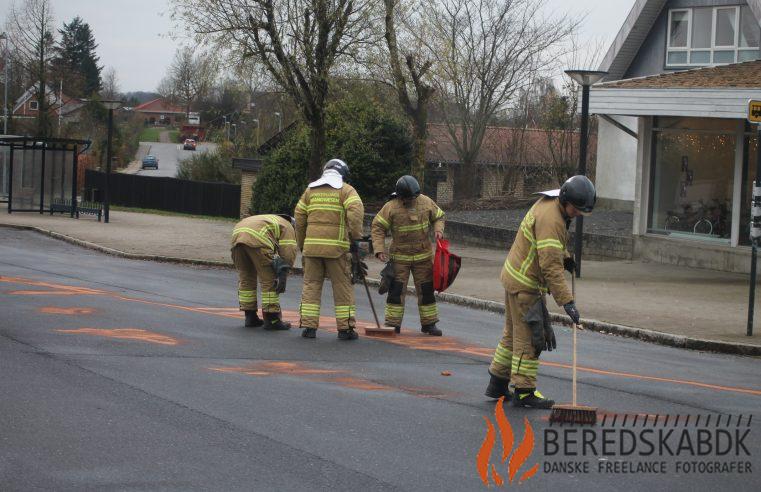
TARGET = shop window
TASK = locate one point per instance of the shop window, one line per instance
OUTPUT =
(692, 178)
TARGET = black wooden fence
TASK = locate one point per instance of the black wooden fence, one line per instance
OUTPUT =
(172, 194)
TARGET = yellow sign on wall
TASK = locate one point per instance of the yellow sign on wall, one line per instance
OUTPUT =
(754, 111)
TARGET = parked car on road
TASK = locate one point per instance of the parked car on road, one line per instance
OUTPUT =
(150, 161)
(189, 144)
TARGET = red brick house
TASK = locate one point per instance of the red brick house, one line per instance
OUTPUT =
(512, 162)
(160, 111)
(61, 107)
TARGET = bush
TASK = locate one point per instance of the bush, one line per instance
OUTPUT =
(213, 165)
(374, 143)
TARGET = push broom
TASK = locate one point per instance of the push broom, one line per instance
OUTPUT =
(573, 413)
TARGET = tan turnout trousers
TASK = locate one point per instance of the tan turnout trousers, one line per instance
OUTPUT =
(422, 273)
(515, 358)
(250, 264)
(338, 270)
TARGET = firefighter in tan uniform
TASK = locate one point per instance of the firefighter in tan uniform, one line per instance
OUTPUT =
(255, 242)
(534, 266)
(328, 219)
(409, 216)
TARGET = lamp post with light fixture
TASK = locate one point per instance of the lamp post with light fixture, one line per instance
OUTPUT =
(585, 78)
(5, 84)
(279, 121)
(111, 106)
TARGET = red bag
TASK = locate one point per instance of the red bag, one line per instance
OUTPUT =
(446, 265)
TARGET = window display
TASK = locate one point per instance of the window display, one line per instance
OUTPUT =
(692, 178)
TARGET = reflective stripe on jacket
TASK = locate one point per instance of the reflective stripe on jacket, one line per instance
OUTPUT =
(535, 260)
(327, 219)
(267, 231)
(409, 227)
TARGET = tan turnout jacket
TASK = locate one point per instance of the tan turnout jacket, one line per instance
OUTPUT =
(327, 220)
(535, 260)
(409, 227)
(267, 231)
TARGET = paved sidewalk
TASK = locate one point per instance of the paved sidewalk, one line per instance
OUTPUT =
(665, 298)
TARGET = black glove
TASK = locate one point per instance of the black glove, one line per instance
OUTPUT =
(572, 312)
(358, 269)
(387, 277)
(281, 269)
(569, 264)
(550, 343)
(538, 320)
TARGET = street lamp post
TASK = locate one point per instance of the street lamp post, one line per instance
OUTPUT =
(585, 78)
(256, 120)
(110, 105)
(5, 84)
(279, 122)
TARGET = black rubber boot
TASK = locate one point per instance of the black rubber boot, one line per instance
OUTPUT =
(309, 333)
(273, 322)
(498, 388)
(349, 334)
(531, 398)
(431, 330)
(397, 329)
(253, 320)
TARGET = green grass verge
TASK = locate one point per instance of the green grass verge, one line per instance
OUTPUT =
(174, 136)
(149, 134)
(173, 214)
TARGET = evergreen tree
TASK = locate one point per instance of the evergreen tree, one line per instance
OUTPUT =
(75, 63)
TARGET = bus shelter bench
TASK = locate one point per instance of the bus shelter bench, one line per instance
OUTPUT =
(63, 205)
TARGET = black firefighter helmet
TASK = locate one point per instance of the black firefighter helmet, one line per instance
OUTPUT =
(407, 187)
(338, 165)
(580, 192)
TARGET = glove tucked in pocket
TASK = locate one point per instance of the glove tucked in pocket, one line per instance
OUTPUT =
(386, 277)
(542, 334)
(281, 269)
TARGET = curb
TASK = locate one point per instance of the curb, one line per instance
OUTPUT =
(642, 334)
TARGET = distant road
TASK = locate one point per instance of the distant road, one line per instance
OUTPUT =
(170, 155)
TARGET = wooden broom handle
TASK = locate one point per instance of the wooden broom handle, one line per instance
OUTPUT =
(575, 329)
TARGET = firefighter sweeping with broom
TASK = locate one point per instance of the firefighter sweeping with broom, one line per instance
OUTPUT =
(263, 247)
(329, 218)
(408, 216)
(533, 267)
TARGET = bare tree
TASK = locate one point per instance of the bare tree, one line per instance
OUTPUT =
(110, 84)
(484, 51)
(166, 89)
(31, 30)
(190, 77)
(299, 42)
(409, 72)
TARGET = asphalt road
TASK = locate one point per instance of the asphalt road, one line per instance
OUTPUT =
(170, 155)
(120, 374)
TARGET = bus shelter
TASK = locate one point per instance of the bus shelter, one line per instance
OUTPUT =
(42, 173)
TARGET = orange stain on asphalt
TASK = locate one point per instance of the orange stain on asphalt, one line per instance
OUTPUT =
(65, 310)
(411, 340)
(360, 384)
(126, 334)
(330, 376)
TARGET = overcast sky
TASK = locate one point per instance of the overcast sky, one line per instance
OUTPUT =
(132, 34)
